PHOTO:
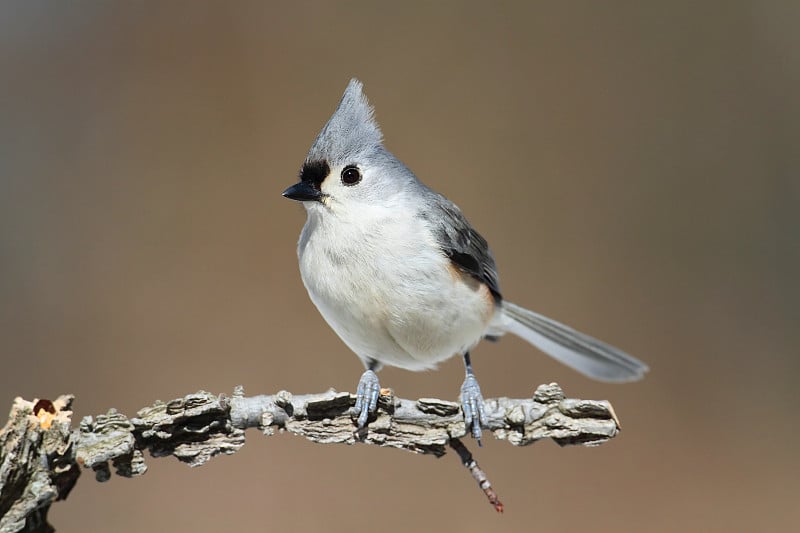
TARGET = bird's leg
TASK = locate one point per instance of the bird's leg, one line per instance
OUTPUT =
(472, 401)
(367, 394)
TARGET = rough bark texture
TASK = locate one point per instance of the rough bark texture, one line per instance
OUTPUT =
(41, 455)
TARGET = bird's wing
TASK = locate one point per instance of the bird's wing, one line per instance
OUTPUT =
(465, 247)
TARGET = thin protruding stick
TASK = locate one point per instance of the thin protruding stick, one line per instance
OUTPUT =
(477, 474)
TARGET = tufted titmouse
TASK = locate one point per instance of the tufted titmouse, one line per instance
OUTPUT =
(402, 277)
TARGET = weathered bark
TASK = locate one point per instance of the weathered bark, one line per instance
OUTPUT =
(41, 455)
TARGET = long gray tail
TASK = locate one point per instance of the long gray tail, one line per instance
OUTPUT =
(588, 356)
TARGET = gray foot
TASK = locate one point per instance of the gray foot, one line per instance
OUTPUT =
(367, 397)
(472, 405)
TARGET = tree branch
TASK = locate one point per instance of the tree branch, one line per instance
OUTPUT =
(41, 454)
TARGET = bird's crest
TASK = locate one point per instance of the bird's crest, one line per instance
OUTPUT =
(350, 131)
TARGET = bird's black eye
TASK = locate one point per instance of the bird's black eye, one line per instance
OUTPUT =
(351, 175)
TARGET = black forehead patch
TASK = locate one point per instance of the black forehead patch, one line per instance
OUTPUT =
(314, 172)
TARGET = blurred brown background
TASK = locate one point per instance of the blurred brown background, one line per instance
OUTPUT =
(634, 167)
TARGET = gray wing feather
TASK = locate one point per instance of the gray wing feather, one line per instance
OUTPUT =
(464, 246)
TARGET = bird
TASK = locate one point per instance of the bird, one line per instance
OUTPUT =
(402, 277)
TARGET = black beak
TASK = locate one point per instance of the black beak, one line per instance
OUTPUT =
(303, 192)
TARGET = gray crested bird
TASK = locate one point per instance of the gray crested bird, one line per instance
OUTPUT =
(402, 277)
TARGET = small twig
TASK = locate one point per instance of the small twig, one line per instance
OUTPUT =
(477, 474)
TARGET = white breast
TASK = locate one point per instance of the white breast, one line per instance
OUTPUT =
(387, 290)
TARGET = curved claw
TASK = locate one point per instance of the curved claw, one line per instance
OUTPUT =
(472, 405)
(366, 397)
